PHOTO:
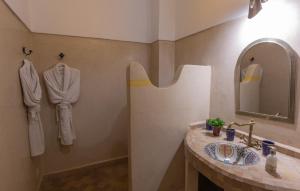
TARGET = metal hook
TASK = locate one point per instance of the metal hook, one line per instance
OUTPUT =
(61, 56)
(26, 51)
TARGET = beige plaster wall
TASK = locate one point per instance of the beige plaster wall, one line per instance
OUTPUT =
(159, 120)
(162, 63)
(220, 47)
(17, 170)
(166, 63)
(101, 117)
(154, 68)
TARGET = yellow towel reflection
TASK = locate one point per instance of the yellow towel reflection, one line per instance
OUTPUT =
(253, 73)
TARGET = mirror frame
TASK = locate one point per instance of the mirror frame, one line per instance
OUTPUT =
(292, 78)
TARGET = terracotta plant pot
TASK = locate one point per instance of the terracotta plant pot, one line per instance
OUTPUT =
(216, 131)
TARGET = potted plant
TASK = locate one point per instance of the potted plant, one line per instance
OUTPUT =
(217, 125)
(209, 124)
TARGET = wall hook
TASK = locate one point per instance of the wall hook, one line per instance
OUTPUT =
(26, 51)
(61, 56)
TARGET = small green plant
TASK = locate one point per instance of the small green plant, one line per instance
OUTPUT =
(209, 122)
(216, 122)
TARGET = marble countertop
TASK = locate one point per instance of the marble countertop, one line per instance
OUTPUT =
(288, 168)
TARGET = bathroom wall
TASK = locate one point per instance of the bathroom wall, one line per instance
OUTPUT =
(17, 170)
(101, 115)
(221, 46)
(156, 146)
(166, 63)
(162, 63)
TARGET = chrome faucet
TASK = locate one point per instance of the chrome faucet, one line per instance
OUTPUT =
(251, 125)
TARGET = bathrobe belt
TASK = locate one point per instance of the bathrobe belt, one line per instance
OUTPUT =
(64, 121)
(33, 112)
(63, 107)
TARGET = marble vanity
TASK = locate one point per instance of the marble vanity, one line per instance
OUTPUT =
(235, 177)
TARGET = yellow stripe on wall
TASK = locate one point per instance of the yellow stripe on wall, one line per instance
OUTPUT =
(139, 83)
(251, 78)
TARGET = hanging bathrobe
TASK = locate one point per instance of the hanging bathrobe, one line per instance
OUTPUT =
(32, 96)
(63, 85)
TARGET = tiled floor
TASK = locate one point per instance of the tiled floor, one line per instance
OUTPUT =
(111, 177)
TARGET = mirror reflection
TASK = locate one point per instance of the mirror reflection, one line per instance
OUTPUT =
(264, 80)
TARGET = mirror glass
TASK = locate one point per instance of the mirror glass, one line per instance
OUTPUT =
(264, 80)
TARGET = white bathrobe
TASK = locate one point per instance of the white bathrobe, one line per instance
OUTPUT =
(32, 96)
(63, 85)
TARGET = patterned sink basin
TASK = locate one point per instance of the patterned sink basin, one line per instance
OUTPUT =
(230, 153)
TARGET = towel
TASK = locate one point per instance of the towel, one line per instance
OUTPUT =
(32, 96)
(63, 85)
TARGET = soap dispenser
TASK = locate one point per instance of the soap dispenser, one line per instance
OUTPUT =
(271, 162)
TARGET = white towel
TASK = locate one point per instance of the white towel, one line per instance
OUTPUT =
(63, 85)
(32, 96)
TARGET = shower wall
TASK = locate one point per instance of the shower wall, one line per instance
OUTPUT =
(18, 170)
(101, 116)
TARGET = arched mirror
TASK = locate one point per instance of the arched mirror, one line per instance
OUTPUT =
(265, 80)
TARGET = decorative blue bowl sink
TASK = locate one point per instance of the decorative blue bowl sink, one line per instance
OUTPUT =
(230, 153)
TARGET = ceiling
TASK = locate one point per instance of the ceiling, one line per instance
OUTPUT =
(130, 20)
